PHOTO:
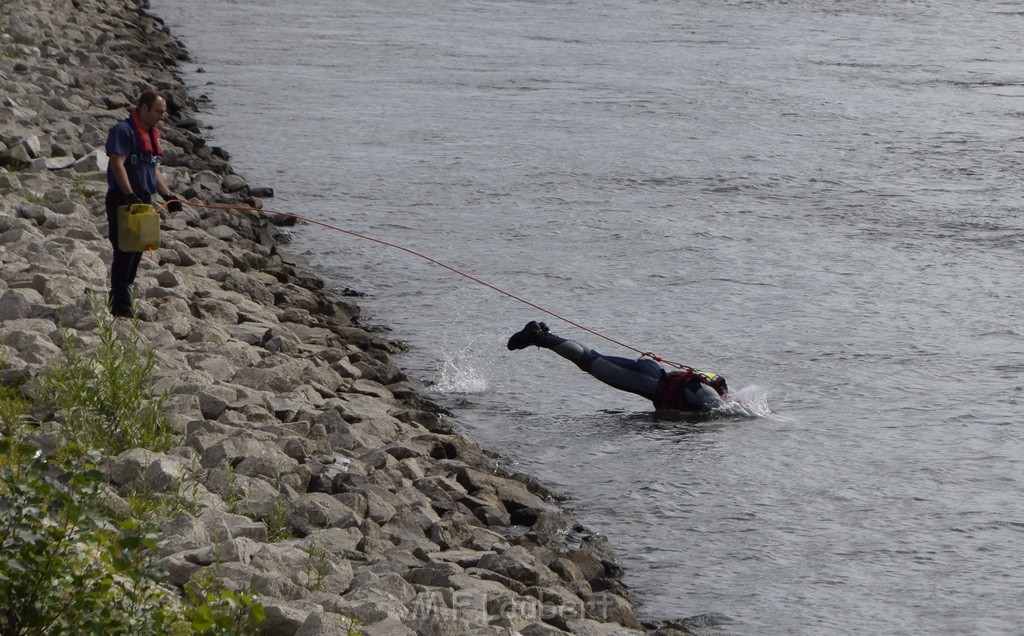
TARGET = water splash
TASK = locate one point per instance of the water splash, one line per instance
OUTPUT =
(749, 401)
(459, 373)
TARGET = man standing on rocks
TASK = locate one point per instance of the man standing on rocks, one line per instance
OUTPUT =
(133, 147)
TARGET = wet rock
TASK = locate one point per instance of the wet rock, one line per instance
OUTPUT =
(611, 608)
(519, 565)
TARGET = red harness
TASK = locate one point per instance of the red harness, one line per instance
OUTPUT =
(672, 395)
(150, 143)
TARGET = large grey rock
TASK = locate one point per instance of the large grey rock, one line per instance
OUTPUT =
(611, 608)
(589, 627)
(390, 626)
(431, 613)
(19, 303)
(250, 496)
(129, 466)
(233, 183)
(167, 474)
(8, 180)
(557, 604)
(95, 161)
(60, 163)
(325, 624)
(224, 526)
(390, 585)
(235, 550)
(182, 533)
(317, 510)
(179, 567)
(542, 629)
(595, 559)
(518, 564)
(285, 618)
(234, 450)
(311, 568)
(511, 611)
(270, 462)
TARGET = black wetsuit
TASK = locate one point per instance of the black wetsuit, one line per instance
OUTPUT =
(686, 390)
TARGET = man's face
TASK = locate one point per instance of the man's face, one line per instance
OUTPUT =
(152, 115)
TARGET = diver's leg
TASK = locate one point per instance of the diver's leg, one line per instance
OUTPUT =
(635, 376)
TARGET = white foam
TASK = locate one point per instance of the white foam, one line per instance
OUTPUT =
(750, 401)
(459, 373)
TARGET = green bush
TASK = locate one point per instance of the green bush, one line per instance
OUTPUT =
(104, 395)
(67, 568)
(216, 610)
(64, 567)
(14, 408)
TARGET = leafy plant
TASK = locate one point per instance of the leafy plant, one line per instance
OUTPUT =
(316, 565)
(14, 408)
(350, 626)
(79, 186)
(104, 394)
(64, 567)
(67, 568)
(276, 519)
(278, 528)
(12, 163)
(158, 507)
(217, 610)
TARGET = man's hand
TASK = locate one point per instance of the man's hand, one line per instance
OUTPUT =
(132, 199)
(173, 202)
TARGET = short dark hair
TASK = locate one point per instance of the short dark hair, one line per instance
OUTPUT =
(149, 97)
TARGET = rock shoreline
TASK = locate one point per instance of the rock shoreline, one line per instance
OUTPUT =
(289, 406)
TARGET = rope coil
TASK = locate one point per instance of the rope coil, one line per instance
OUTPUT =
(426, 257)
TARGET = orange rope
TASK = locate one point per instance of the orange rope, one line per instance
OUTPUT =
(648, 354)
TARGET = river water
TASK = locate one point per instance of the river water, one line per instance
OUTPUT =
(817, 199)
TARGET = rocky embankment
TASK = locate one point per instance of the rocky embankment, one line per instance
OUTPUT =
(290, 409)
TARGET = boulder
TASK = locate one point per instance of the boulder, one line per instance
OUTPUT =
(517, 564)
(19, 303)
(129, 466)
(317, 510)
(611, 608)
(94, 161)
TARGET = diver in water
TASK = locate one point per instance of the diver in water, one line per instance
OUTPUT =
(684, 390)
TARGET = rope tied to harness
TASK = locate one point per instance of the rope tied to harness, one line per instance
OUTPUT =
(298, 217)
